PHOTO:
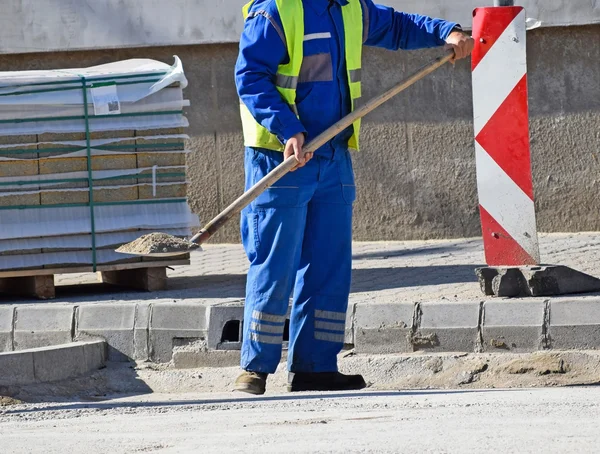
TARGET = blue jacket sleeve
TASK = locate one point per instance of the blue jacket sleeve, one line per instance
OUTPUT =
(395, 30)
(261, 52)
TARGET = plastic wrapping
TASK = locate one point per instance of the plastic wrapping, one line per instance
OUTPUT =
(80, 241)
(54, 221)
(134, 95)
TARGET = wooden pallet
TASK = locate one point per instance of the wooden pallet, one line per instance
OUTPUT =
(39, 283)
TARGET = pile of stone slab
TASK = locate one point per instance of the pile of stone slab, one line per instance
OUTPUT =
(90, 159)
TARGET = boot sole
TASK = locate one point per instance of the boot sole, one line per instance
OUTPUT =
(249, 389)
(308, 387)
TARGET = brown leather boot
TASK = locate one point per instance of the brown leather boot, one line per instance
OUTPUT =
(251, 382)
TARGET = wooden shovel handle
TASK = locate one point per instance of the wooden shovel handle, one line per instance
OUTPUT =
(277, 173)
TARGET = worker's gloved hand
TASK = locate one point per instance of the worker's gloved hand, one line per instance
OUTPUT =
(461, 43)
(293, 147)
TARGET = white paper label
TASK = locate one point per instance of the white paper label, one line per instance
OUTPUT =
(106, 100)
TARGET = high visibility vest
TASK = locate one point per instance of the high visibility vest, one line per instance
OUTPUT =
(291, 13)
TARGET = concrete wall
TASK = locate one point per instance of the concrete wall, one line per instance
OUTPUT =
(416, 175)
(59, 25)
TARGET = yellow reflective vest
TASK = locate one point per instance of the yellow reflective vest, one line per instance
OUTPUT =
(291, 13)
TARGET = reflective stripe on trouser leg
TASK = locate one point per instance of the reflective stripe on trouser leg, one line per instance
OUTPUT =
(266, 328)
(330, 326)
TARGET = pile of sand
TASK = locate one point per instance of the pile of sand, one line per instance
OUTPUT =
(157, 243)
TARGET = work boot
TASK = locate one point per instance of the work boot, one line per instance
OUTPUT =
(324, 381)
(251, 382)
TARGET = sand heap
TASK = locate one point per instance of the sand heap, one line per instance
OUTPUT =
(157, 243)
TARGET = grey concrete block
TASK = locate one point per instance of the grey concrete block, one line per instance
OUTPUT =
(349, 330)
(513, 325)
(219, 316)
(6, 328)
(535, 281)
(95, 354)
(383, 328)
(447, 326)
(112, 322)
(197, 355)
(16, 368)
(204, 358)
(141, 331)
(575, 323)
(42, 326)
(171, 321)
(54, 364)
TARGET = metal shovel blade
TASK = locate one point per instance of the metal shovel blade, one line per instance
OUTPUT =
(158, 245)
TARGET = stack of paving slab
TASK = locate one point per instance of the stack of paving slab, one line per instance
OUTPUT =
(124, 135)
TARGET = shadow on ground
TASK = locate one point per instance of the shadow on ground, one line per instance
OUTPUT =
(242, 399)
(117, 378)
(223, 286)
(439, 251)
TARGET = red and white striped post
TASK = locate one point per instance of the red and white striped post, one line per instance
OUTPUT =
(501, 122)
(504, 163)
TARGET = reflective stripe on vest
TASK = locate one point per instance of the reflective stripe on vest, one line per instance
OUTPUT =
(291, 13)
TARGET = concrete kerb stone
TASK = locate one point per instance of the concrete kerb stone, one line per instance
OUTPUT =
(6, 328)
(47, 364)
(95, 354)
(53, 364)
(174, 321)
(447, 327)
(112, 322)
(349, 329)
(191, 359)
(575, 323)
(141, 331)
(383, 328)
(43, 325)
(513, 325)
(218, 317)
(16, 368)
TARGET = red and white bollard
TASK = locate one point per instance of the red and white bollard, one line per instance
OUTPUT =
(504, 163)
(501, 122)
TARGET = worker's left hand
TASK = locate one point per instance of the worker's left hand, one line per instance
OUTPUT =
(461, 43)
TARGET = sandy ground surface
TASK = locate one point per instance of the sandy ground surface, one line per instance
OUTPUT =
(563, 420)
(417, 403)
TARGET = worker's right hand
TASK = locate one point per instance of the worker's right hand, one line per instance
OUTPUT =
(293, 147)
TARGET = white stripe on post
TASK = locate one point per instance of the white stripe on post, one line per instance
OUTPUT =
(506, 202)
(499, 72)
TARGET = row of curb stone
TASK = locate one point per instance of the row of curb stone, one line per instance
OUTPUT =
(147, 331)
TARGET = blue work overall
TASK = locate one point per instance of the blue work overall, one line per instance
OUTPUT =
(298, 234)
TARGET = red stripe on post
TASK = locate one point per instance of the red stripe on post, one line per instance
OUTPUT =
(488, 27)
(506, 138)
(500, 248)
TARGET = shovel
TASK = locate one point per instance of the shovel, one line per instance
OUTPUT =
(175, 246)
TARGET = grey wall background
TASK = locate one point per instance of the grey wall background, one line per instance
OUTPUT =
(416, 173)
(58, 25)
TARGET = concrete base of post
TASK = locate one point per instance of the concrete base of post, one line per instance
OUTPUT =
(530, 281)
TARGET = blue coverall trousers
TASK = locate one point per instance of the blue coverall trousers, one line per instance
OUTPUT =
(298, 236)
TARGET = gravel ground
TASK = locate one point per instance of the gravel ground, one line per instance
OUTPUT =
(479, 402)
(563, 420)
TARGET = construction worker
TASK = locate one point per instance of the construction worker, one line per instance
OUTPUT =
(299, 72)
